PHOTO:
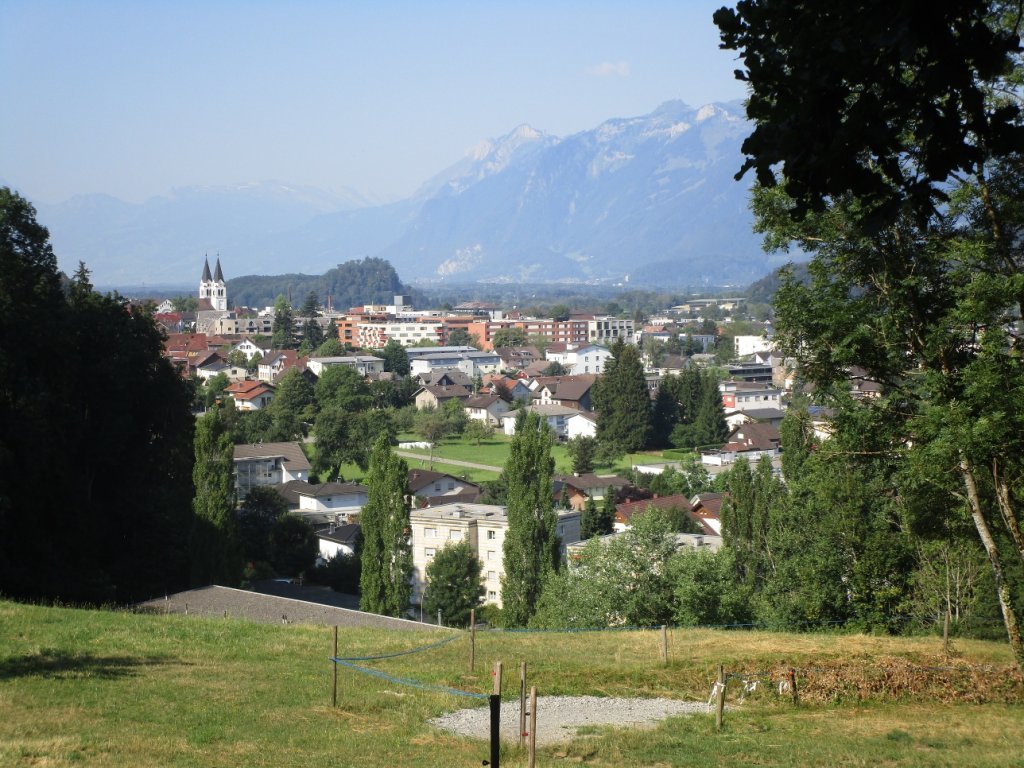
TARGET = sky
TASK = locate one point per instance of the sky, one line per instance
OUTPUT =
(133, 99)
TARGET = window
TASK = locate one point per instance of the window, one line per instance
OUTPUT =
(492, 595)
(451, 485)
(492, 575)
(429, 552)
(490, 554)
(490, 535)
(430, 532)
(455, 534)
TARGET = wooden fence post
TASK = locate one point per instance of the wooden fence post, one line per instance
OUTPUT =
(720, 703)
(497, 679)
(522, 702)
(792, 686)
(532, 748)
(945, 635)
(664, 644)
(472, 639)
(334, 687)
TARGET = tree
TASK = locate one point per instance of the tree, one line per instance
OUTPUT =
(293, 546)
(453, 584)
(109, 426)
(626, 581)
(588, 519)
(213, 391)
(508, 337)
(283, 328)
(339, 440)
(312, 333)
(555, 368)
(460, 337)
(582, 450)
(330, 347)
(216, 559)
(432, 425)
(342, 387)
(896, 95)
(384, 582)
(260, 510)
(559, 313)
(622, 401)
(531, 547)
(478, 430)
(455, 415)
(906, 120)
(396, 358)
(311, 306)
(293, 405)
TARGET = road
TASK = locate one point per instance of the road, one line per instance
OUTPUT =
(442, 460)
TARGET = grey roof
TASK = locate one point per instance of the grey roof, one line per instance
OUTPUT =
(290, 453)
(340, 534)
(217, 274)
(206, 270)
(333, 489)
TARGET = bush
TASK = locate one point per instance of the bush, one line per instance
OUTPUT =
(340, 573)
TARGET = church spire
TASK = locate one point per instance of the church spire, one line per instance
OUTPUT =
(217, 274)
(206, 269)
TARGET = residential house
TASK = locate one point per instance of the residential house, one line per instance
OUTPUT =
(483, 527)
(771, 416)
(517, 358)
(486, 408)
(431, 488)
(268, 464)
(473, 364)
(277, 362)
(508, 389)
(752, 441)
(250, 395)
(337, 502)
(436, 397)
(581, 424)
(556, 417)
(337, 539)
(568, 391)
(445, 377)
(579, 488)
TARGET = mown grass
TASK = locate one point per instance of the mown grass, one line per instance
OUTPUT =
(103, 688)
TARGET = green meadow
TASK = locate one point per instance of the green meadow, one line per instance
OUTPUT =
(111, 688)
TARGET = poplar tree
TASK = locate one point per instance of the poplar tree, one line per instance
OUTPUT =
(385, 581)
(531, 544)
(215, 554)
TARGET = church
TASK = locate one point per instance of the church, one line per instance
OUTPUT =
(213, 300)
(213, 291)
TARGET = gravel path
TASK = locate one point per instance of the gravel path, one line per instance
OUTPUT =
(320, 606)
(442, 460)
(558, 717)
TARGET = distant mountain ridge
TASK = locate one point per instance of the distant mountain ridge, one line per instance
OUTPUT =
(643, 200)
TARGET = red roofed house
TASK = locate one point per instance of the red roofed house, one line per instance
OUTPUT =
(250, 395)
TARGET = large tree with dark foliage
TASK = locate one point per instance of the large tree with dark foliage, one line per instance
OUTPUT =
(96, 451)
(888, 143)
(622, 401)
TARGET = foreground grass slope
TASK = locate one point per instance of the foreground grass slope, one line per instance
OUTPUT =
(114, 689)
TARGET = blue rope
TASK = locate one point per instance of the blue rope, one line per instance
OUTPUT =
(420, 649)
(411, 683)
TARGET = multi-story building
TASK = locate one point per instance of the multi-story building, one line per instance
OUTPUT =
(407, 333)
(268, 464)
(484, 527)
(607, 329)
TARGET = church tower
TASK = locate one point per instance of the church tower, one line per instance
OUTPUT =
(213, 289)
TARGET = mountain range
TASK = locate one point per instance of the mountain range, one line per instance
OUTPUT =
(647, 200)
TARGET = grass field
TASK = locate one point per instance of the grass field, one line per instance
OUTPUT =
(103, 688)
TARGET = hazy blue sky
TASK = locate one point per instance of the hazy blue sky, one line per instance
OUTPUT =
(134, 98)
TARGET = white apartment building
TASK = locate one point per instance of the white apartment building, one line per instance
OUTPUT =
(484, 527)
(376, 335)
(607, 329)
(364, 364)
